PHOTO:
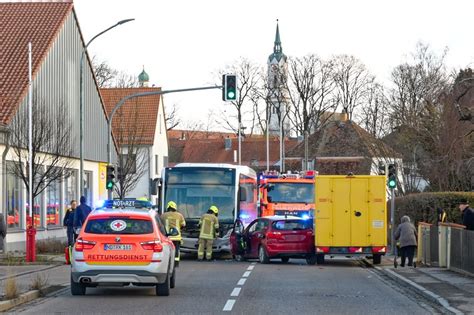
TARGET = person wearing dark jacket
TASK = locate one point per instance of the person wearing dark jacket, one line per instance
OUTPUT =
(68, 223)
(407, 235)
(467, 214)
(80, 215)
(3, 232)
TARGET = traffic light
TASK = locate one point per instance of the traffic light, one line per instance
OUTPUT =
(229, 87)
(392, 176)
(110, 178)
(382, 170)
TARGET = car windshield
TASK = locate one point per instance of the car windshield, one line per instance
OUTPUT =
(195, 189)
(290, 192)
(291, 225)
(119, 225)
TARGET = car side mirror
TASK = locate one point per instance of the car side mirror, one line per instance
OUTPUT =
(173, 232)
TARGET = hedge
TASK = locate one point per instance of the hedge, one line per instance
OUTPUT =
(422, 207)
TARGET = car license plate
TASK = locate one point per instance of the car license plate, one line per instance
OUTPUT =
(118, 247)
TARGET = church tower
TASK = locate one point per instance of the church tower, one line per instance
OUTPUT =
(143, 78)
(277, 92)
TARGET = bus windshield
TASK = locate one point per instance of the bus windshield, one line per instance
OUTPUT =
(290, 193)
(196, 189)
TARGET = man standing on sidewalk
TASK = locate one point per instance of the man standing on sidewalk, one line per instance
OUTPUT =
(467, 214)
(80, 215)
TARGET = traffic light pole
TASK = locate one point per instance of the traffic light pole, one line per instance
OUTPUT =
(392, 221)
(143, 94)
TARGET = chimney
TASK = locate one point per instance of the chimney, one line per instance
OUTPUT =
(227, 144)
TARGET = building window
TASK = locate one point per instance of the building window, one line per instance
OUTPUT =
(157, 166)
(70, 189)
(14, 200)
(165, 161)
(88, 192)
(159, 122)
(53, 204)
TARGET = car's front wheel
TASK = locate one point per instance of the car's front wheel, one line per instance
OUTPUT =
(311, 259)
(77, 288)
(263, 256)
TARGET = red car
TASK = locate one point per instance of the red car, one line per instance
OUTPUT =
(274, 237)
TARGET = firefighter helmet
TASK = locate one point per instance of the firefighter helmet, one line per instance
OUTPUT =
(171, 205)
(214, 209)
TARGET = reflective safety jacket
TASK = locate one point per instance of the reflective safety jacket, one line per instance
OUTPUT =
(209, 225)
(173, 219)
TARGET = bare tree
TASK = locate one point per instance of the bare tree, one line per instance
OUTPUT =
(352, 80)
(172, 120)
(247, 85)
(52, 145)
(130, 135)
(125, 80)
(373, 114)
(104, 73)
(310, 87)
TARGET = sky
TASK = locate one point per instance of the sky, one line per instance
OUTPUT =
(183, 44)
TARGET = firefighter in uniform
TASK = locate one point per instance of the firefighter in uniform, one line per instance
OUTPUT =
(173, 219)
(209, 225)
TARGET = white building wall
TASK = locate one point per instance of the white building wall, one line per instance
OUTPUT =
(157, 158)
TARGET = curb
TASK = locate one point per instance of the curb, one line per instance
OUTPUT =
(421, 290)
(28, 297)
(29, 272)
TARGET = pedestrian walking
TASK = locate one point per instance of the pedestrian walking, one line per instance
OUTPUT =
(173, 219)
(80, 215)
(68, 222)
(407, 235)
(467, 214)
(3, 232)
(209, 226)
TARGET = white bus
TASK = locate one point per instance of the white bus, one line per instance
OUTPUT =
(197, 186)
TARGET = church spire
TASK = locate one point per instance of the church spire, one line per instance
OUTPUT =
(277, 47)
(277, 54)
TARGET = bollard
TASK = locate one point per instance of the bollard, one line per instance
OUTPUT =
(30, 244)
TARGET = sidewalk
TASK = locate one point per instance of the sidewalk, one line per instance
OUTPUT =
(452, 290)
(52, 275)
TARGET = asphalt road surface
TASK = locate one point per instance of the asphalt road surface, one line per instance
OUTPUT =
(341, 286)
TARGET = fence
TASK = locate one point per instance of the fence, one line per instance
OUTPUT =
(446, 245)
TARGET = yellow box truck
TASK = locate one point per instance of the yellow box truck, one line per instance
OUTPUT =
(350, 216)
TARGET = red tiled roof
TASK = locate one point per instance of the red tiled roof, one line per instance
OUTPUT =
(35, 22)
(213, 151)
(199, 134)
(139, 114)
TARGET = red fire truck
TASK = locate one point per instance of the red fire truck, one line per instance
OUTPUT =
(287, 194)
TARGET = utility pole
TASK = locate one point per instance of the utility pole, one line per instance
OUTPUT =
(30, 229)
(392, 221)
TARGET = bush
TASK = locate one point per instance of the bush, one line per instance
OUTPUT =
(11, 288)
(50, 246)
(39, 282)
(422, 207)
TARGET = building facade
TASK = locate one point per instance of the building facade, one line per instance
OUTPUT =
(57, 45)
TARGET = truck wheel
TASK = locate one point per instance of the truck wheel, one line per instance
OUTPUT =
(77, 288)
(163, 289)
(263, 256)
(285, 260)
(311, 259)
(173, 279)
(320, 259)
(377, 259)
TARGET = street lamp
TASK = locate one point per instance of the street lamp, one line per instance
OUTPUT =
(81, 105)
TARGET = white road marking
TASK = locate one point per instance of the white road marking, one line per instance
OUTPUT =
(250, 267)
(241, 281)
(228, 305)
(235, 292)
(246, 274)
(254, 263)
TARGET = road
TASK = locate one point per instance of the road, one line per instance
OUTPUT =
(341, 286)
